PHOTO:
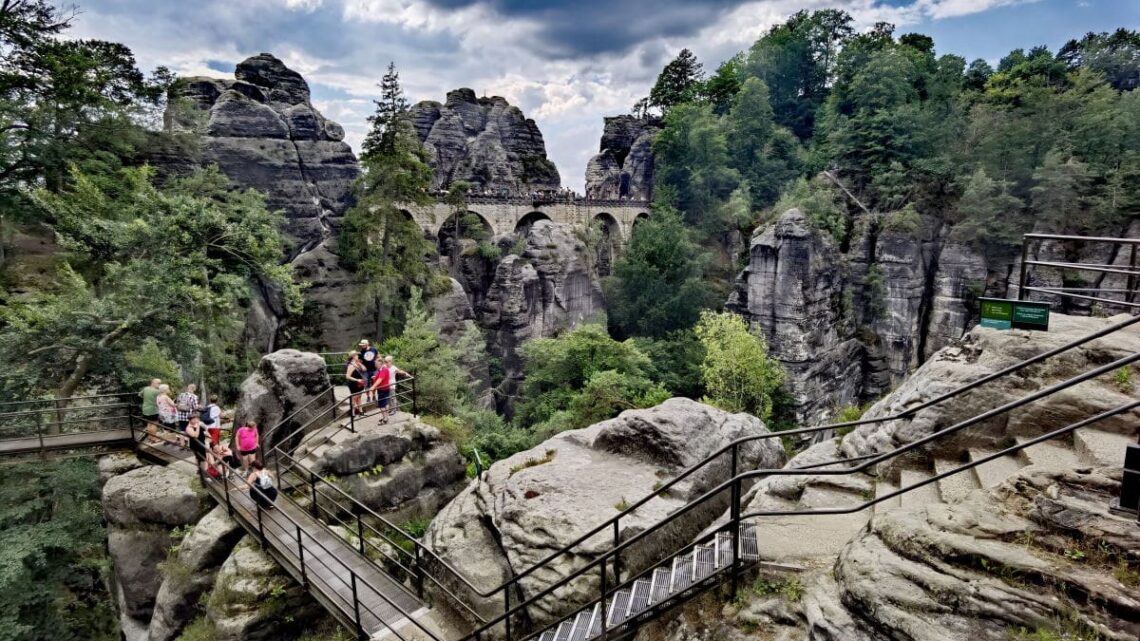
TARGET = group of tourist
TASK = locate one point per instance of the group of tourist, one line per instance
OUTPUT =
(372, 378)
(198, 427)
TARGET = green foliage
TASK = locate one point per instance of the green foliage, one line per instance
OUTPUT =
(989, 217)
(766, 156)
(675, 362)
(138, 262)
(561, 383)
(200, 629)
(416, 526)
(819, 201)
(902, 221)
(693, 163)
(656, 284)
(875, 283)
(1122, 378)
(679, 81)
(378, 240)
(442, 385)
(622, 505)
(737, 371)
(53, 562)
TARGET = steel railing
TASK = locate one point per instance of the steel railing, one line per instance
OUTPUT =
(1129, 294)
(282, 540)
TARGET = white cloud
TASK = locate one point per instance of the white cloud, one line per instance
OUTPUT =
(938, 9)
(303, 5)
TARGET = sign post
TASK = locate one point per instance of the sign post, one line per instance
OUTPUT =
(998, 313)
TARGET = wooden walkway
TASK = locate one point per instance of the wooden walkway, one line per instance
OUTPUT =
(331, 569)
(51, 442)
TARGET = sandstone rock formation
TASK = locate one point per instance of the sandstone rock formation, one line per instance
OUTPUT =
(141, 507)
(405, 467)
(483, 141)
(542, 499)
(552, 286)
(624, 167)
(284, 386)
(457, 326)
(849, 324)
(263, 132)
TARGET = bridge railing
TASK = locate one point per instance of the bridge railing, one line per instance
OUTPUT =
(540, 201)
(1122, 289)
(38, 425)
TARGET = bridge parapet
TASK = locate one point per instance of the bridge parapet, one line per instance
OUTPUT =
(504, 214)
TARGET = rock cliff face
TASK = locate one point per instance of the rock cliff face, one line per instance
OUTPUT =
(551, 286)
(484, 141)
(849, 324)
(262, 131)
(624, 166)
(542, 499)
(286, 384)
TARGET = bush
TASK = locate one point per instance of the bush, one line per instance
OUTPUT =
(737, 371)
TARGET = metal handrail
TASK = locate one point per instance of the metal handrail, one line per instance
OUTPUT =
(735, 483)
(733, 447)
(68, 398)
(1130, 271)
(225, 499)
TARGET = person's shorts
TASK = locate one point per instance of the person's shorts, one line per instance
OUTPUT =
(150, 418)
(382, 398)
(248, 452)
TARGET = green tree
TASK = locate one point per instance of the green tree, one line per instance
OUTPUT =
(1115, 55)
(988, 217)
(442, 385)
(721, 87)
(796, 60)
(53, 557)
(1058, 195)
(139, 262)
(556, 371)
(656, 287)
(679, 82)
(737, 371)
(379, 239)
(766, 155)
(691, 154)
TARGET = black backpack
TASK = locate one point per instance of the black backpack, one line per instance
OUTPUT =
(204, 414)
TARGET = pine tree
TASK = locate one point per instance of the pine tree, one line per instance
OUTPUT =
(391, 113)
(679, 82)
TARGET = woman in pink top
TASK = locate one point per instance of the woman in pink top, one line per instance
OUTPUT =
(247, 443)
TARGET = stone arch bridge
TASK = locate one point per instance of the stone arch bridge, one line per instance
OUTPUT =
(503, 215)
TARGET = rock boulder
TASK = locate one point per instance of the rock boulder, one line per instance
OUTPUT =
(536, 501)
(286, 384)
(483, 141)
(623, 168)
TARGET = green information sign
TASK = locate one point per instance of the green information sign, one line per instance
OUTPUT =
(998, 313)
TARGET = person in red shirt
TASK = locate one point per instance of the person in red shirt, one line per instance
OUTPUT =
(380, 387)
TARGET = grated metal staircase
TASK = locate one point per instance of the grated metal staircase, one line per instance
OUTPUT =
(684, 575)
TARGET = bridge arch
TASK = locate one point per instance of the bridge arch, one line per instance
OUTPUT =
(526, 222)
(610, 242)
(470, 225)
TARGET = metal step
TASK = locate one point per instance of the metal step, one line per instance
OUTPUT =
(704, 562)
(682, 573)
(563, 633)
(582, 624)
(749, 544)
(723, 549)
(595, 622)
(619, 608)
(640, 599)
(548, 635)
(659, 587)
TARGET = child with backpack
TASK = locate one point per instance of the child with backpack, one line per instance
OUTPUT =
(211, 417)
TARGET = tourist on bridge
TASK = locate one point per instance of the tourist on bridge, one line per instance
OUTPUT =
(211, 417)
(223, 454)
(188, 405)
(357, 376)
(261, 487)
(393, 373)
(370, 357)
(247, 442)
(197, 435)
(149, 395)
(167, 411)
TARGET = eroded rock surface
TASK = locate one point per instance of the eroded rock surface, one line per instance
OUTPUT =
(542, 499)
(484, 141)
(623, 169)
(552, 286)
(285, 385)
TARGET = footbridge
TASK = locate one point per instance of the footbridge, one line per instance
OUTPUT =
(504, 215)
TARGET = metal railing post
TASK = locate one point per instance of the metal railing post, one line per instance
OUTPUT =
(352, 415)
(605, 581)
(40, 431)
(260, 526)
(617, 554)
(301, 558)
(419, 579)
(735, 524)
(1131, 294)
(313, 486)
(1024, 258)
(732, 473)
(507, 610)
(356, 607)
(226, 489)
(360, 531)
(415, 407)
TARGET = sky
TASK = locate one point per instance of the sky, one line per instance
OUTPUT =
(565, 63)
